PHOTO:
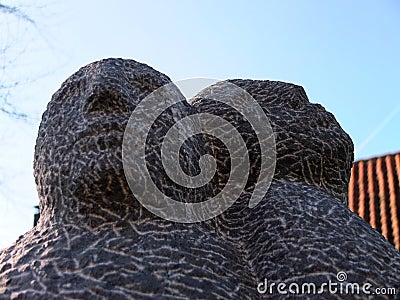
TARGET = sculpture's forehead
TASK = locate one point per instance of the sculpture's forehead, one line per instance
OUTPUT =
(112, 78)
(96, 79)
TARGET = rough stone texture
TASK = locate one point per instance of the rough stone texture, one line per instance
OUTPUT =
(95, 241)
(302, 231)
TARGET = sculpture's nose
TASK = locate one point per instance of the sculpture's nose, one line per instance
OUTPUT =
(105, 100)
(324, 117)
(297, 98)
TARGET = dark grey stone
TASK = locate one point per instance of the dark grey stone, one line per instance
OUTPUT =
(95, 241)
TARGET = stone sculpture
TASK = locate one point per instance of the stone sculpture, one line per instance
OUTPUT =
(95, 241)
(302, 231)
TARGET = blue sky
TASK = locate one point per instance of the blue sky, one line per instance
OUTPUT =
(344, 53)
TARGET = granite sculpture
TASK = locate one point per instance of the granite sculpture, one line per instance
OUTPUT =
(95, 241)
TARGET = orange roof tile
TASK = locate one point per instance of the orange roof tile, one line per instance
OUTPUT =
(374, 194)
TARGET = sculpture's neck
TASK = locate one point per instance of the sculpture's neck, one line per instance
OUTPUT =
(95, 209)
(338, 191)
(91, 211)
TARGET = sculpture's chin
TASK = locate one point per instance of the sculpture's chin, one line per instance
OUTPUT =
(99, 174)
(95, 143)
(315, 145)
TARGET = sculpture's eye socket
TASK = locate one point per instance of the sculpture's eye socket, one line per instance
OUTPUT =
(106, 102)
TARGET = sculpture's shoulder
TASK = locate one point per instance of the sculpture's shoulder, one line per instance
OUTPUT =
(305, 224)
(154, 259)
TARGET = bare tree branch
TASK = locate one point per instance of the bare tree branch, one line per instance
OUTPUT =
(5, 87)
(16, 12)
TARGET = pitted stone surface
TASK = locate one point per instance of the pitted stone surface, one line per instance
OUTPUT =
(78, 166)
(302, 231)
(95, 241)
(311, 145)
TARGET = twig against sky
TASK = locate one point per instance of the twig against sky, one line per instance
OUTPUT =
(16, 12)
(374, 133)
